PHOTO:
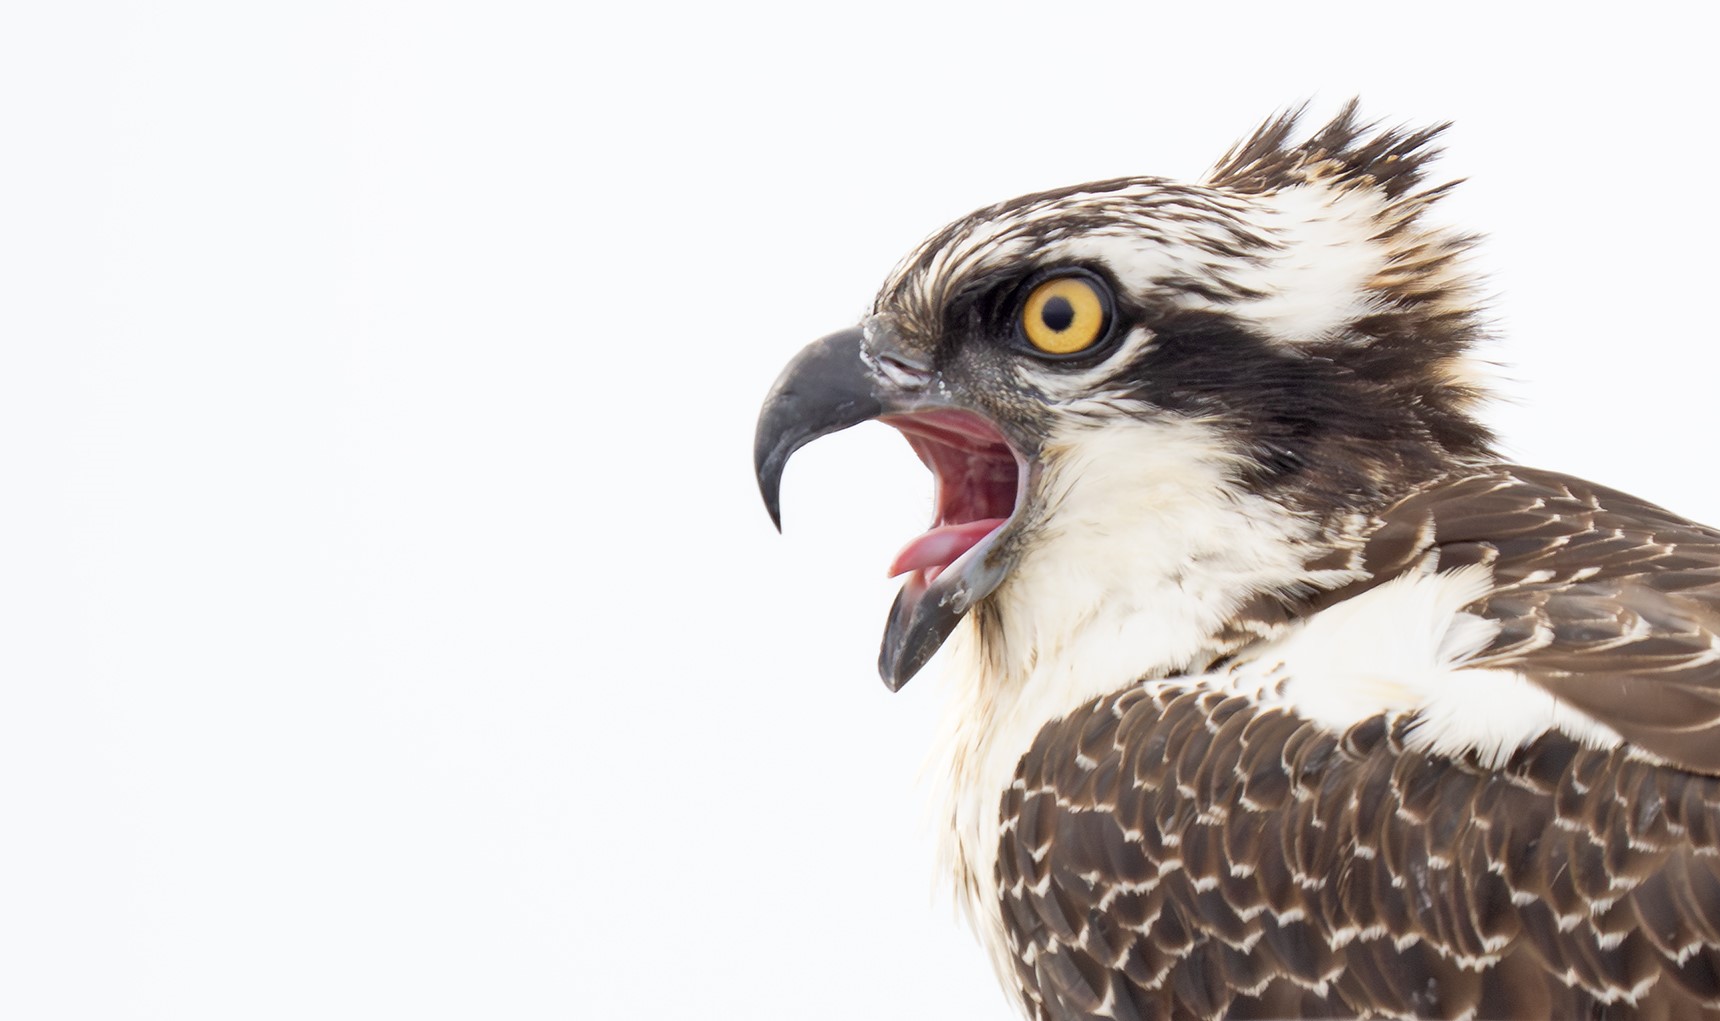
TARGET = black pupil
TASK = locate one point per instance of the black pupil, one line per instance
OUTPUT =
(1058, 314)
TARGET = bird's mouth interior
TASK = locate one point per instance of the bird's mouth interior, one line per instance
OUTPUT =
(979, 481)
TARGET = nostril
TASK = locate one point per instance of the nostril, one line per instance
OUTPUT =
(906, 363)
(893, 362)
(904, 372)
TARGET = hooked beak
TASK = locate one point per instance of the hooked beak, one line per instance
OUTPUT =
(825, 389)
(847, 378)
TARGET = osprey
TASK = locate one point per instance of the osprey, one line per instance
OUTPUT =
(1276, 692)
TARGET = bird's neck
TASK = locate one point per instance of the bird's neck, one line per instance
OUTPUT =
(1148, 558)
(1154, 557)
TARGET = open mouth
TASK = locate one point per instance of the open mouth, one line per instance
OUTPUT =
(979, 483)
(982, 485)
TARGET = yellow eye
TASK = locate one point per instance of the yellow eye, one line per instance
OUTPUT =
(1065, 315)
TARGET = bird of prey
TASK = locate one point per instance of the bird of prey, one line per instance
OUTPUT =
(1276, 692)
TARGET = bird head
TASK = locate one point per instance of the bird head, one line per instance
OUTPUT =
(1074, 363)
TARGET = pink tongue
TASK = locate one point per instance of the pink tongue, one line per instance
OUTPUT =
(942, 545)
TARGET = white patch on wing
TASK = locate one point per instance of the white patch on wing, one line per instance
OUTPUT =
(1402, 648)
(1385, 650)
(1495, 712)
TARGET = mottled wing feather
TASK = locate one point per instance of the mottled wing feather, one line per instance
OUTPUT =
(1610, 603)
(1170, 852)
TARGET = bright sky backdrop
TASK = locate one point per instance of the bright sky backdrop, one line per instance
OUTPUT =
(389, 627)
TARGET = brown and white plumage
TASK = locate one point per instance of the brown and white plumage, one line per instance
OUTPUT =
(1276, 693)
(1174, 850)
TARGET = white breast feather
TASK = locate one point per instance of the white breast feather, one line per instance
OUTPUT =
(1103, 599)
(1152, 549)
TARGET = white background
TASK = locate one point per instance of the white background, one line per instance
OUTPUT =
(389, 624)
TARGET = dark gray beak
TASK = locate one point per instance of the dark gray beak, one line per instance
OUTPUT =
(828, 387)
(824, 390)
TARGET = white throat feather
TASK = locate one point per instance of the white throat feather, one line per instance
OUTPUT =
(1150, 547)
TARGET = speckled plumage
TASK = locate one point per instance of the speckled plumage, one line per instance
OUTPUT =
(1175, 851)
(1277, 693)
